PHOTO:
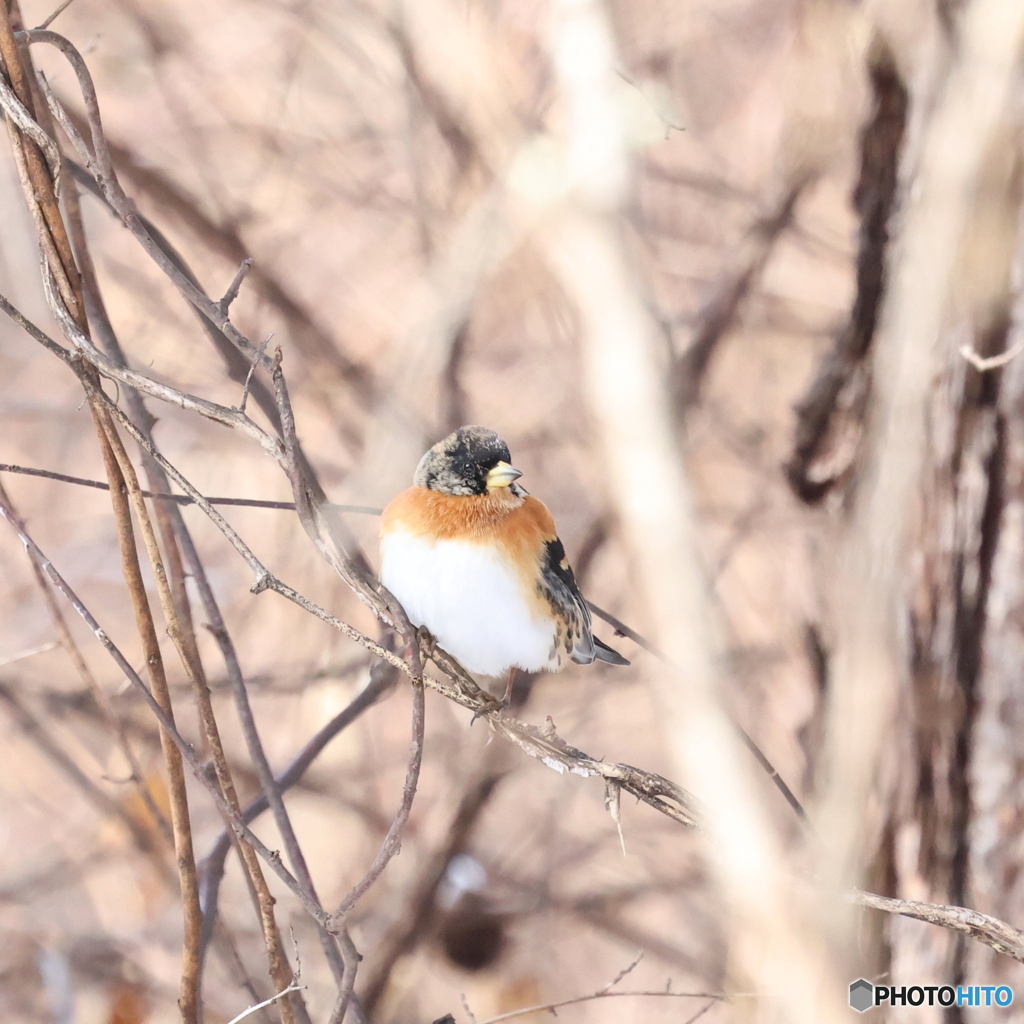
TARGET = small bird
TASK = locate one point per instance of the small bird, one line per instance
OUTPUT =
(477, 561)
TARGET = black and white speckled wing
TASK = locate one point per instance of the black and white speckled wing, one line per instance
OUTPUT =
(571, 612)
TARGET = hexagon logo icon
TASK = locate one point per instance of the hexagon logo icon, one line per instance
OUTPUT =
(861, 995)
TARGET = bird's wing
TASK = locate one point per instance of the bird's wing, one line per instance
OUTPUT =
(567, 603)
(559, 586)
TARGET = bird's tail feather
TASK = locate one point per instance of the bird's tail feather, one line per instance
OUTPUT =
(602, 652)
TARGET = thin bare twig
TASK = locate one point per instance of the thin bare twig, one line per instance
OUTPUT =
(627, 970)
(115, 724)
(310, 501)
(267, 1002)
(412, 926)
(700, 1013)
(236, 364)
(16, 111)
(178, 499)
(252, 370)
(36, 732)
(30, 652)
(393, 840)
(268, 783)
(99, 164)
(219, 413)
(56, 14)
(211, 870)
(719, 313)
(232, 293)
(339, 550)
(748, 741)
(168, 726)
(657, 993)
(177, 613)
(316, 343)
(37, 179)
(985, 363)
(605, 993)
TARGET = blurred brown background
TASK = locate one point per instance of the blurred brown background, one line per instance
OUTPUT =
(356, 151)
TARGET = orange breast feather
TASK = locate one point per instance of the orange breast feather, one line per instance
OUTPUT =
(517, 526)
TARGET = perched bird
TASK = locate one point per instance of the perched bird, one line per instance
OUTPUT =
(477, 561)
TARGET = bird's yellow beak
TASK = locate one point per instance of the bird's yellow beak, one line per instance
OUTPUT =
(502, 475)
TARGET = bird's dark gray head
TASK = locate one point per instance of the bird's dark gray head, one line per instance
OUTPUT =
(473, 460)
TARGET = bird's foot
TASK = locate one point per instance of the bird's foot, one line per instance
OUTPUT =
(506, 700)
(427, 643)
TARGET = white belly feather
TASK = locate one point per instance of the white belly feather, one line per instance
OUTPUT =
(472, 604)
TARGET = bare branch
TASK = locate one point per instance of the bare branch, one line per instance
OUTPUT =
(413, 925)
(31, 652)
(180, 817)
(178, 499)
(16, 111)
(63, 287)
(36, 732)
(627, 970)
(607, 993)
(232, 293)
(252, 370)
(168, 726)
(56, 14)
(318, 347)
(98, 162)
(718, 314)
(67, 641)
(748, 741)
(393, 840)
(551, 1007)
(280, 970)
(874, 197)
(999, 935)
(267, 1002)
(211, 870)
(545, 745)
(983, 364)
